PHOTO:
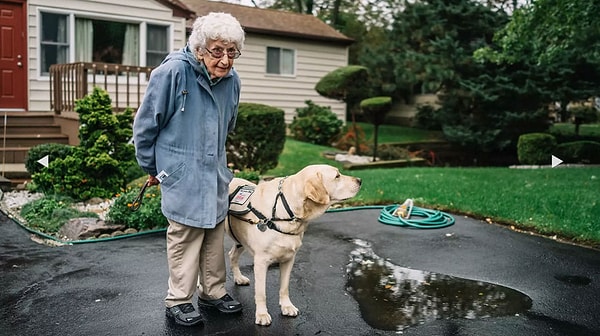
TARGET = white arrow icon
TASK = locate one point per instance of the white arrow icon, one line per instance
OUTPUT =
(43, 161)
(556, 161)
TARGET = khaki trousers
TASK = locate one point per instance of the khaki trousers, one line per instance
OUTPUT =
(196, 259)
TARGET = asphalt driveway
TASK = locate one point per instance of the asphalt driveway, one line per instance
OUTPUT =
(353, 276)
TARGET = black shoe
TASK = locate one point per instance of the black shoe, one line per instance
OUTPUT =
(226, 304)
(185, 314)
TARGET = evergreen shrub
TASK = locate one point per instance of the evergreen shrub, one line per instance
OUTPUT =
(535, 148)
(258, 139)
(37, 152)
(579, 152)
(103, 162)
(315, 124)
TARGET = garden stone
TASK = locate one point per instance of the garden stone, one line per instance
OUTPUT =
(131, 231)
(85, 227)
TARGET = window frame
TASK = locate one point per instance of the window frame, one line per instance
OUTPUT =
(73, 14)
(281, 62)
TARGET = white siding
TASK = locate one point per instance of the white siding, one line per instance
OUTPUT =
(136, 11)
(313, 61)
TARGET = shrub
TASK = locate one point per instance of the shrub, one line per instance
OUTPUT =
(315, 124)
(535, 148)
(390, 152)
(426, 118)
(258, 139)
(349, 139)
(50, 213)
(579, 152)
(248, 174)
(37, 152)
(148, 216)
(102, 163)
(583, 115)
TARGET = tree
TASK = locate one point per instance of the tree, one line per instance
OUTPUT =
(349, 84)
(431, 39)
(375, 109)
(484, 106)
(558, 38)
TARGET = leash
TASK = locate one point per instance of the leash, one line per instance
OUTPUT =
(137, 202)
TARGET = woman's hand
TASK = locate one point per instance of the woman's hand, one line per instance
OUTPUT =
(152, 180)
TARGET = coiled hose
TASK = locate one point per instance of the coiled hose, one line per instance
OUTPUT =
(413, 216)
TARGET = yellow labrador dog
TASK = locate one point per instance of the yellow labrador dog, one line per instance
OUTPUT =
(269, 220)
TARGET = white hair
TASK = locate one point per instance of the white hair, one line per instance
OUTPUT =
(218, 27)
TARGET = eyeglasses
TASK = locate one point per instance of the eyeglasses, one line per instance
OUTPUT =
(219, 53)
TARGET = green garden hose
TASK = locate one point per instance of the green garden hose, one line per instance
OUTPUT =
(426, 218)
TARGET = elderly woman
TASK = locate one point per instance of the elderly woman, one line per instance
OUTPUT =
(180, 129)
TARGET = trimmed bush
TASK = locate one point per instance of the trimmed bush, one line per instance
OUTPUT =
(375, 109)
(427, 118)
(258, 138)
(37, 152)
(103, 162)
(315, 124)
(579, 152)
(535, 148)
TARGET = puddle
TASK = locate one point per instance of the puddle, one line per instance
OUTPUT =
(575, 280)
(391, 297)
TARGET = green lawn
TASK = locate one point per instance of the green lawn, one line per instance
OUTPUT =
(560, 201)
(584, 130)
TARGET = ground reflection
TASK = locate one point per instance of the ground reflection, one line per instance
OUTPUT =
(394, 298)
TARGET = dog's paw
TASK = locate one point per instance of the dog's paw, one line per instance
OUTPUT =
(263, 319)
(242, 280)
(289, 310)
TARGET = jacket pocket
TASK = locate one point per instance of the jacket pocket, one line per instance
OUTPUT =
(174, 175)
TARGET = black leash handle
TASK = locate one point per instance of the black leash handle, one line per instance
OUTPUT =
(137, 202)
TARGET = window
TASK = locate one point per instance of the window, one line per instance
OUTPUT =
(54, 45)
(98, 40)
(280, 61)
(106, 41)
(156, 44)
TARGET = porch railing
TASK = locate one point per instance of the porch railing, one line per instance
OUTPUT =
(125, 84)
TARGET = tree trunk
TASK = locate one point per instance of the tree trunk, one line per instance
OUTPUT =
(335, 13)
(375, 134)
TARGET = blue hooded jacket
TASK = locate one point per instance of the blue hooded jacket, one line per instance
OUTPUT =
(179, 133)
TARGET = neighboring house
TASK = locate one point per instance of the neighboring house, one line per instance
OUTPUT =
(284, 56)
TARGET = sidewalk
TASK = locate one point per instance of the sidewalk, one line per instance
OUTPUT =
(117, 287)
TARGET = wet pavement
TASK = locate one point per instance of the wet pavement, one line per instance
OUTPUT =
(353, 276)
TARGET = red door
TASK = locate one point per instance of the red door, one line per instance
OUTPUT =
(13, 56)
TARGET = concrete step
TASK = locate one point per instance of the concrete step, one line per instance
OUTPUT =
(13, 154)
(28, 118)
(30, 140)
(13, 175)
(31, 129)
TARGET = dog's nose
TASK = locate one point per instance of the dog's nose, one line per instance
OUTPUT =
(359, 181)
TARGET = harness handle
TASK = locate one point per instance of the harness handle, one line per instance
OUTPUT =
(137, 202)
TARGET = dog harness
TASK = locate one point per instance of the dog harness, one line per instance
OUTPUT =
(238, 209)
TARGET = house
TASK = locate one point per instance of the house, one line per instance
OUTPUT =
(284, 57)
(55, 51)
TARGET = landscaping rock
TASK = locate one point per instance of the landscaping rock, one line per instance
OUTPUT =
(83, 228)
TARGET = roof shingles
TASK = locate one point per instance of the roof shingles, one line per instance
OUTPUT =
(272, 22)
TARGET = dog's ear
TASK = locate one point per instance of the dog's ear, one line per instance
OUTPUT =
(315, 190)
